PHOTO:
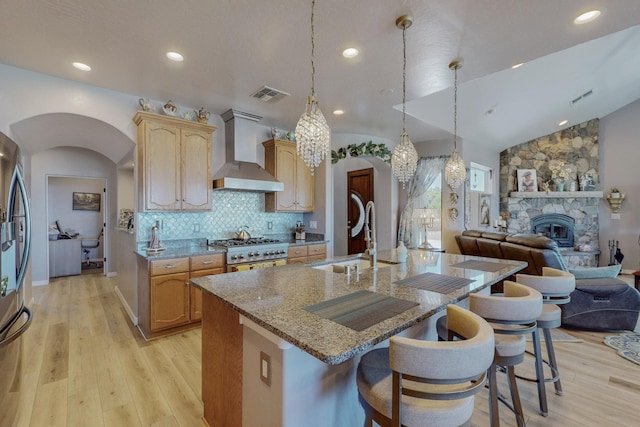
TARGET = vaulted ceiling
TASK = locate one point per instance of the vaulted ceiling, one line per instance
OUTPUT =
(234, 47)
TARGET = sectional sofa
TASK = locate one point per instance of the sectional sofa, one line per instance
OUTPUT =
(600, 302)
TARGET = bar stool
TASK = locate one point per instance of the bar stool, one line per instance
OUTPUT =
(427, 383)
(512, 316)
(555, 286)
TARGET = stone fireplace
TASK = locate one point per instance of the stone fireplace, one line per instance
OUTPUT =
(570, 218)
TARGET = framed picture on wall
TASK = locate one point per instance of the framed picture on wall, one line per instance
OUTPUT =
(86, 201)
(527, 180)
(484, 210)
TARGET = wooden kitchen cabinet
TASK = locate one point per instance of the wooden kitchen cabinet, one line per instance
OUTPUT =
(303, 254)
(174, 163)
(282, 161)
(203, 265)
(166, 301)
(170, 301)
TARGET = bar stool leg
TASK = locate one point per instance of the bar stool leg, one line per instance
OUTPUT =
(552, 361)
(494, 415)
(542, 393)
(515, 395)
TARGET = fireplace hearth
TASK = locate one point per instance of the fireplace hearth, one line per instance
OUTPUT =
(558, 227)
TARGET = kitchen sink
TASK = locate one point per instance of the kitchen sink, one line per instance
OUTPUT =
(339, 267)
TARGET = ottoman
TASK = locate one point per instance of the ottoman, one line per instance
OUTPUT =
(605, 304)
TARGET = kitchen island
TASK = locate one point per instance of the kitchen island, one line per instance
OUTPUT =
(267, 360)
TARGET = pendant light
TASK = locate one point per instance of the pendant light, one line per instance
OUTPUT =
(313, 135)
(455, 171)
(404, 159)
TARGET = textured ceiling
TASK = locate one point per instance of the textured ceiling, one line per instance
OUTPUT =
(234, 47)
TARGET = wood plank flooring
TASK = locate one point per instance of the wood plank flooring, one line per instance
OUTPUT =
(86, 365)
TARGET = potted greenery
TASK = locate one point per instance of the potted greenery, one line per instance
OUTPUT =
(615, 193)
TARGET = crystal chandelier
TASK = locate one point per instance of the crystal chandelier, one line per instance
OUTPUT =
(455, 171)
(404, 159)
(313, 135)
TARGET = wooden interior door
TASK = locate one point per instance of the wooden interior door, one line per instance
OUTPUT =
(359, 192)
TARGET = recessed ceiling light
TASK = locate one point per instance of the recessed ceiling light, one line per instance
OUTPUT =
(175, 56)
(564, 122)
(586, 17)
(517, 65)
(350, 52)
(81, 66)
(338, 112)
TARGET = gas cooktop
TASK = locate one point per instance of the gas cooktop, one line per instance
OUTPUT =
(237, 242)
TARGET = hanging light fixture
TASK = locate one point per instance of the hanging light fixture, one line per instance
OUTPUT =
(313, 135)
(404, 159)
(455, 171)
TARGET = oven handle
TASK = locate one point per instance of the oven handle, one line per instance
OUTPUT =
(257, 265)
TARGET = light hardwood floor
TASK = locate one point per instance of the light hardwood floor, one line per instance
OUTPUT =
(86, 365)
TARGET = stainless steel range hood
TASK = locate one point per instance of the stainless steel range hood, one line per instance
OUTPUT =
(241, 172)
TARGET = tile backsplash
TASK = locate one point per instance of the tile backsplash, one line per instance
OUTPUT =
(231, 210)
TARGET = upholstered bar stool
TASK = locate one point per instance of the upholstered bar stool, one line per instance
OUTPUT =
(555, 286)
(512, 315)
(427, 383)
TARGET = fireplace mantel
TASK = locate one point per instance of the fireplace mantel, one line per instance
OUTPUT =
(554, 194)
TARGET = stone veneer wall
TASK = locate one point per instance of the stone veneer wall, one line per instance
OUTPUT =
(577, 146)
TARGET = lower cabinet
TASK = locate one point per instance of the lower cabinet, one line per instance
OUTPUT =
(304, 254)
(170, 300)
(166, 301)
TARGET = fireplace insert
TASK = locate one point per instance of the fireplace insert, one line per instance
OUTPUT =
(558, 227)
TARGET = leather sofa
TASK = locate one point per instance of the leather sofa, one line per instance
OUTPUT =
(598, 303)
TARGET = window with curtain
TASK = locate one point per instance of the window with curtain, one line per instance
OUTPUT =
(421, 218)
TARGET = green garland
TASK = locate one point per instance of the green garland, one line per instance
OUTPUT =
(365, 149)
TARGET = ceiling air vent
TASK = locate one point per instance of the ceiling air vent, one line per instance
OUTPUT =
(581, 97)
(269, 94)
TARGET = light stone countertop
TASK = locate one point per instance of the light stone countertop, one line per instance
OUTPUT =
(274, 298)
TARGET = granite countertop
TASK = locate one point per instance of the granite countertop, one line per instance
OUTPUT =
(180, 251)
(274, 298)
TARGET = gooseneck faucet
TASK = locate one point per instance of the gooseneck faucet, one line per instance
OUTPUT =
(370, 234)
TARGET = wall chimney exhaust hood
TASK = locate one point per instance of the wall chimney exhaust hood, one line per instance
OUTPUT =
(241, 172)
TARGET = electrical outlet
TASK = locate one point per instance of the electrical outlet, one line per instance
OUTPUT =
(196, 228)
(270, 225)
(313, 225)
(265, 368)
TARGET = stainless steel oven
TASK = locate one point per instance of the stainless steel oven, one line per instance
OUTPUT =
(253, 253)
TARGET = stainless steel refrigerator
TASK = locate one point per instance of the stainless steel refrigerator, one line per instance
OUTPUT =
(15, 240)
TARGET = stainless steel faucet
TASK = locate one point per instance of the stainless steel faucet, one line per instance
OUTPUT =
(370, 234)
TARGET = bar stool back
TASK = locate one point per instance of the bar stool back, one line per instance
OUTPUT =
(513, 316)
(427, 383)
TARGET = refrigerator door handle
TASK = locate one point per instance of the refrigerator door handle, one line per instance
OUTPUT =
(21, 329)
(27, 228)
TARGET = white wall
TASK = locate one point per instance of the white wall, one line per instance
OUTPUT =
(385, 194)
(71, 162)
(619, 155)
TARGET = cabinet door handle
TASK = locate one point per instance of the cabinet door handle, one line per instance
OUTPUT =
(207, 262)
(170, 266)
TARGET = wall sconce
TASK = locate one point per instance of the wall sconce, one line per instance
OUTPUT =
(615, 199)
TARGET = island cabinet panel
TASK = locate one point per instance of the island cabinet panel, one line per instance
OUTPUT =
(281, 160)
(174, 163)
(203, 265)
(222, 378)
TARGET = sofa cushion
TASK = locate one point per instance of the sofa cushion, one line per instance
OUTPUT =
(468, 245)
(489, 247)
(532, 240)
(596, 272)
(602, 286)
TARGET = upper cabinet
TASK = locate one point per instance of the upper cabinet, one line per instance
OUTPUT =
(174, 163)
(282, 161)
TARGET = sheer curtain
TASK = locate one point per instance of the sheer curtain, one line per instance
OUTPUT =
(426, 172)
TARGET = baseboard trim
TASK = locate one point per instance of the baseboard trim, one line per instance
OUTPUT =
(40, 283)
(112, 274)
(133, 317)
